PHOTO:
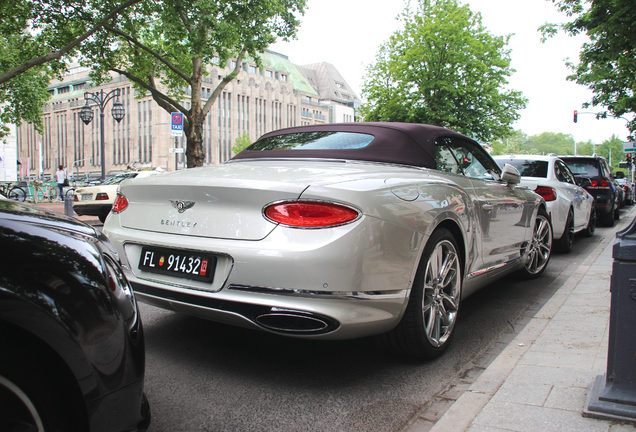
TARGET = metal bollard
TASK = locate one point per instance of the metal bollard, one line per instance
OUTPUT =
(613, 395)
(68, 206)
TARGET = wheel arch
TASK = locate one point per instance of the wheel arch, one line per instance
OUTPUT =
(28, 322)
(25, 345)
(457, 233)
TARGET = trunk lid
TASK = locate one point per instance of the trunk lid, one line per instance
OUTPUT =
(224, 201)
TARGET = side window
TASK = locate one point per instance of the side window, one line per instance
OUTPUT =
(473, 160)
(563, 173)
(444, 159)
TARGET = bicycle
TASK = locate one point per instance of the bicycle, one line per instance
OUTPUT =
(43, 191)
(8, 190)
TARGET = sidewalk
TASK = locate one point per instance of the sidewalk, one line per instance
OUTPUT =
(540, 381)
(59, 208)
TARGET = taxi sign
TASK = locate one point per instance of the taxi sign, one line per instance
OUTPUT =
(176, 124)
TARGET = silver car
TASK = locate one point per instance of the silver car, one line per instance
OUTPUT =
(333, 231)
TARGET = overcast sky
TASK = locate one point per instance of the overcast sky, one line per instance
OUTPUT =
(347, 34)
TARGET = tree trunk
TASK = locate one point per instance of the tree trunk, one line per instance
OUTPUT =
(195, 153)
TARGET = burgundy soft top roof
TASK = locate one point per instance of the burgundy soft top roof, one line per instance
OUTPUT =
(400, 143)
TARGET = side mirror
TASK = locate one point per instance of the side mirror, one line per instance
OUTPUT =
(510, 175)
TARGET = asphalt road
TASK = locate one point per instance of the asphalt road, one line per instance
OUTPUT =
(204, 376)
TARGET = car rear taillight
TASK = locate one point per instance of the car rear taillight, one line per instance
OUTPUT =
(120, 204)
(101, 196)
(600, 184)
(310, 214)
(547, 193)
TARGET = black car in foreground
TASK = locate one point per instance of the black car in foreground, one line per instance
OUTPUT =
(72, 355)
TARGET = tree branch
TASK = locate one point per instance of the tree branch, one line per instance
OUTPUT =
(53, 55)
(227, 79)
(168, 102)
(151, 52)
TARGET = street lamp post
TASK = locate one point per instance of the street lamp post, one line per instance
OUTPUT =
(118, 113)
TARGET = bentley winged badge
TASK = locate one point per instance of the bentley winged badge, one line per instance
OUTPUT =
(182, 206)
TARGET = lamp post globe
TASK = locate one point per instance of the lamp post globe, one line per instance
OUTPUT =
(86, 114)
(118, 112)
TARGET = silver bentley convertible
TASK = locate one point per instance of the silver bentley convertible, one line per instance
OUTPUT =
(333, 231)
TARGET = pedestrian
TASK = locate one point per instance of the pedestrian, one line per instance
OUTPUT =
(62, 180)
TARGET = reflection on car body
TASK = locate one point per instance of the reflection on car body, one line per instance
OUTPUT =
(337, 231)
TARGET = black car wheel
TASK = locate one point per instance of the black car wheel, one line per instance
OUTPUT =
(564, 244)
(427, 326)
(591, 224)
(608, 218)
(617, 213)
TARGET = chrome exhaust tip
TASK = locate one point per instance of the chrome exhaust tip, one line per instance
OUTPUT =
(296, 322)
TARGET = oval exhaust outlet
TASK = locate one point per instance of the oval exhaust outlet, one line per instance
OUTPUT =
(294, 323)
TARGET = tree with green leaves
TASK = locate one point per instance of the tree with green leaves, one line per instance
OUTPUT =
(167, 47)
(241, 143)
(607, 63)
(444, 68)
(35, 38)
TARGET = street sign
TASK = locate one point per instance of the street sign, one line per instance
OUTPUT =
(176, 124)
(629, 147)
(176, 150)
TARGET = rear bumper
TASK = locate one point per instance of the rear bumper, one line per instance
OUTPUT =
(92, 209)
(341, 283)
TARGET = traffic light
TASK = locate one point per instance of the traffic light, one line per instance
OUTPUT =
(629, 160)
(576, 114)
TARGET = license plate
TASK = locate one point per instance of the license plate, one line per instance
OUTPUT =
(178, 263)
(84, 197)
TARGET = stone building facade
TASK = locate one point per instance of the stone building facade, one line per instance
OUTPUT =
(276, 95)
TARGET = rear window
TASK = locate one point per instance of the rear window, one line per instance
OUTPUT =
(583, 167)
(527, 168)
(326, 140)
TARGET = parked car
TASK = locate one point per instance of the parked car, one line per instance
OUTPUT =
(571, 207)
(333, 231)
(98, 200)
(71, 336)
(628, 188)
(601, 185)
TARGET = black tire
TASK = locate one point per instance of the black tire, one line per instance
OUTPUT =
(18, 194)
(35, 393)
(426, 328)
(608, 218)
(539, 249)
(564, 244)
(591, 225)
(617, 213)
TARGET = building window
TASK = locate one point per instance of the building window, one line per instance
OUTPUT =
(252, 69)
(339, 84)
(269, 74)
(63, 90)
(283, 77)
(233, 64)
(216, 60)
